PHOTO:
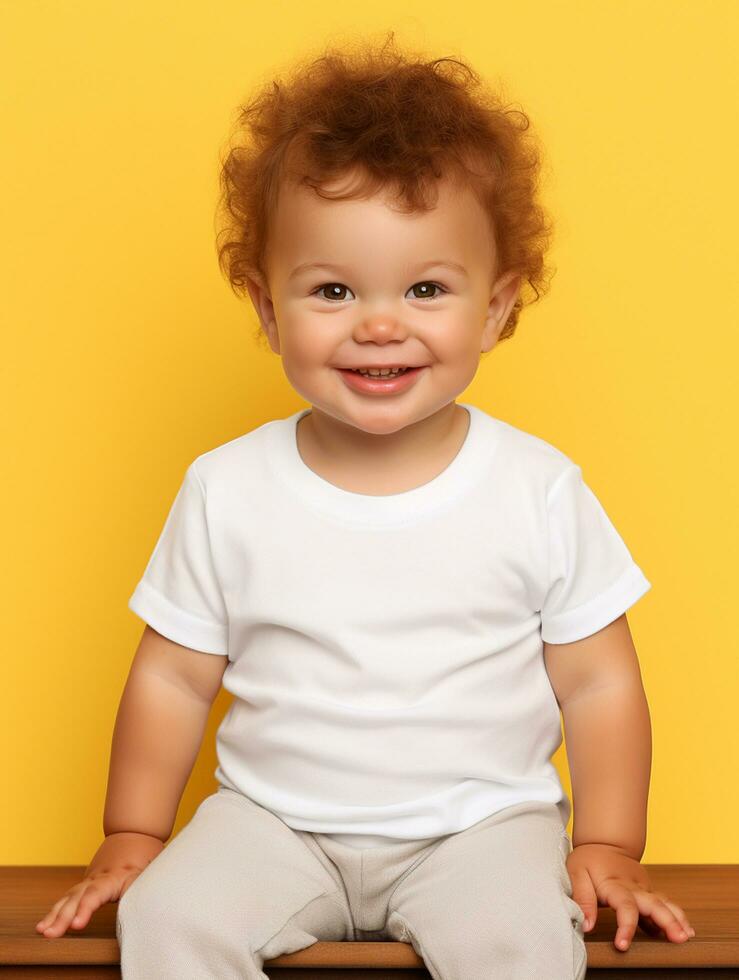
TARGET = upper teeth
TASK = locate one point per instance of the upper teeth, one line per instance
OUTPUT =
(380, 372)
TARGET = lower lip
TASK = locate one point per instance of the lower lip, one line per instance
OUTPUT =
(380, 386)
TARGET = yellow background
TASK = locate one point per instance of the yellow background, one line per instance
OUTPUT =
(125, 354)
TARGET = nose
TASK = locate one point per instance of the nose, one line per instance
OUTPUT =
(381, 328)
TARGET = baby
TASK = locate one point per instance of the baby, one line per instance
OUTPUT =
(401, 592)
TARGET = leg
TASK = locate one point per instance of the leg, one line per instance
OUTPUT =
(236, 886)
(494, 901)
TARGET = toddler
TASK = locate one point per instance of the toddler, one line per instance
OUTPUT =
(400, 591)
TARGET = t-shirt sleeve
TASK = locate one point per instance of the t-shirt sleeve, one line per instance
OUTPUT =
(178, 593)
(592, 578)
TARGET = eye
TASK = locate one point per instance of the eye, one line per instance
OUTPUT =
(336, 287)
(427, 285)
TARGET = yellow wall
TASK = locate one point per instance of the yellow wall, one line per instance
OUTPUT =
(125, 355)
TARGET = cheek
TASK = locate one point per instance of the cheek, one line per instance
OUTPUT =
(312, 341)
(456, 347)
(307, 353)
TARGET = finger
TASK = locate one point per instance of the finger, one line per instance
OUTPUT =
(658, 918)
(662, 913)
(89, 901)
(623, 901)
(646, 923)
(51, 914)
(681, 917)
(63, 917)
(583, 892)
(78, 913)
(678, 912)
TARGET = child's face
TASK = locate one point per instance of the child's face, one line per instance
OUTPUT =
(372, 303)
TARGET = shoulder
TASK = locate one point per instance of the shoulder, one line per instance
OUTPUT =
(526, 457)
(233, 461)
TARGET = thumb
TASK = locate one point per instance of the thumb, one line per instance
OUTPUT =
(583, 892)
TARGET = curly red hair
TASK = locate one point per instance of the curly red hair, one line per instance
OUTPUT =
(400, 122)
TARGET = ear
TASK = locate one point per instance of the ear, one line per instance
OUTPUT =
(262, 302)
(504, 295)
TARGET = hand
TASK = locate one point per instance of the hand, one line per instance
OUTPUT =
(606, 874)
(119, 861)
(76, 906)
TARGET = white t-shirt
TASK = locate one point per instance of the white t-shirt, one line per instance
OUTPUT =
(385, 652)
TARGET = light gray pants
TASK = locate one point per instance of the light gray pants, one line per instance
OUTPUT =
(237, 886)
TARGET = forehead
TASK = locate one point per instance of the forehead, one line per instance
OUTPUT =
(307, 226)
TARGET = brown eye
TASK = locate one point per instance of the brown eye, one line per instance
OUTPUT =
(333, 289)
(427, 286)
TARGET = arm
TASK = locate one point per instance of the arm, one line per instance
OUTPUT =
(158, 732)
(609, 750)
(598, 685)
(597, 682)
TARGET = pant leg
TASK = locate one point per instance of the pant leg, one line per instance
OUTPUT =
(494, 902)
(236, 886)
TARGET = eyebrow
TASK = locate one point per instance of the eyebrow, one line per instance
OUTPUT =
(328, 267)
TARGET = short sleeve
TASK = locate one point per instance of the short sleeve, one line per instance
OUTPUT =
(178, 593)
(592, 578)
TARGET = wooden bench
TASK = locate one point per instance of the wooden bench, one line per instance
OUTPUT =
(709, 893)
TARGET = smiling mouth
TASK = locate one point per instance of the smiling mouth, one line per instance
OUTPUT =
(388, 372)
